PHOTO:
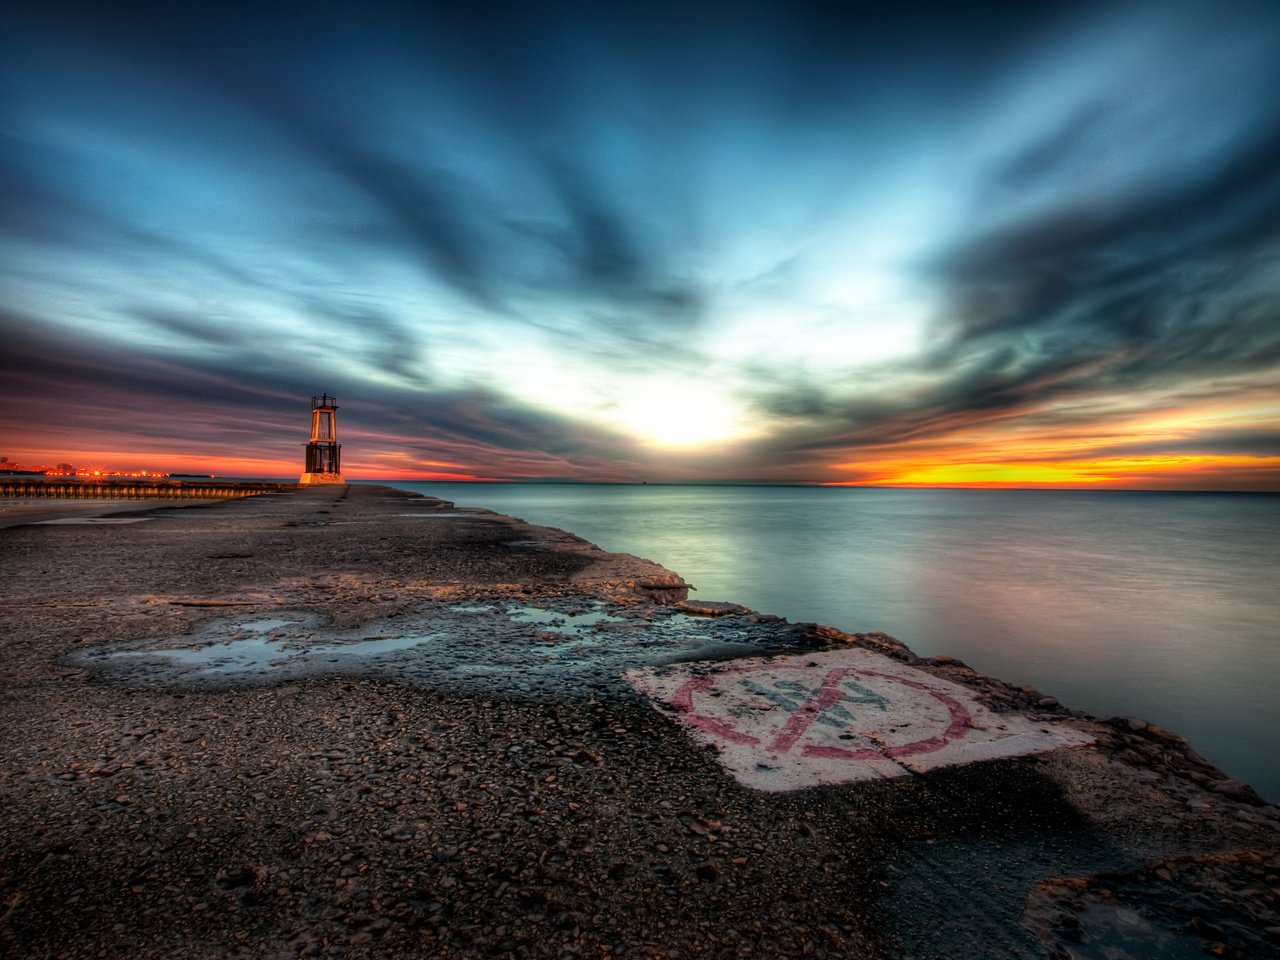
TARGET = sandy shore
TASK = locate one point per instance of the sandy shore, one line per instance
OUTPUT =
(356, 722)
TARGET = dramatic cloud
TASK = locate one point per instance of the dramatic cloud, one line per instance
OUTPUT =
(1031, 243)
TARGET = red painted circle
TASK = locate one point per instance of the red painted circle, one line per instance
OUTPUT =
(682, 700)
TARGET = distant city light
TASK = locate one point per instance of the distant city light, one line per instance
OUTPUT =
(69, 470)
(153, 474)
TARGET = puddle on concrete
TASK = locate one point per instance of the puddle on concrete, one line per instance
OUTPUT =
(259, 645)
(554, 649)
(572, 623)
(233, 655)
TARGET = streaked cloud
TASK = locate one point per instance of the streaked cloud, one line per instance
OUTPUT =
(763, 241)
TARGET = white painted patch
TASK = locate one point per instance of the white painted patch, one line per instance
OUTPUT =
(838, 716)
(68, 521)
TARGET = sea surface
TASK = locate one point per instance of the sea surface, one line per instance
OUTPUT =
(1164, 606)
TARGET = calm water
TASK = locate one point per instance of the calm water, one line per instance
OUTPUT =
(1158, 605)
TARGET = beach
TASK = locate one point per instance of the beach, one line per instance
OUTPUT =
(354, 721)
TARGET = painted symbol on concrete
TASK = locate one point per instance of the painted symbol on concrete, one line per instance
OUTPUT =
(838, 716)
(805, 706)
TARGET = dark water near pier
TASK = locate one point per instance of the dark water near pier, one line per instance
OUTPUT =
(1164, 606)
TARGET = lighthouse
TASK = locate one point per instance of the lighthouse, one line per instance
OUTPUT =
(323, 449)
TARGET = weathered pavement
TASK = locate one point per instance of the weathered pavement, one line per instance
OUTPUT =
(15, 513)
(352, 721)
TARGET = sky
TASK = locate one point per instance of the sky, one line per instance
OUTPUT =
(1027, 244)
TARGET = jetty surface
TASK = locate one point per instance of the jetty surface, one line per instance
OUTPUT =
(354, 721)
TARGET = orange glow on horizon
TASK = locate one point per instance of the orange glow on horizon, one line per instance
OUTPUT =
(1112, 442)
(927, 464)
(1174, 439)
(394, 468)
(1117, 472)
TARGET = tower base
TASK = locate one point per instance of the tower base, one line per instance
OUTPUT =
(309, 478)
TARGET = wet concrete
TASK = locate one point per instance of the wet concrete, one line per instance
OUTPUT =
(355, 722)
(559, 649)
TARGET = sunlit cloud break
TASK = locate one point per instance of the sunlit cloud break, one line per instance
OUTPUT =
(1028, 245)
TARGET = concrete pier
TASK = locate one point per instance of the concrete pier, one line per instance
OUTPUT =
(352, 721)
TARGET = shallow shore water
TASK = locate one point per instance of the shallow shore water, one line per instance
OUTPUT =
(358, 722)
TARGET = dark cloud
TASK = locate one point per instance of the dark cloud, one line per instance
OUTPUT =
(610, 257)
(1242, 443)
(425, 213)
(202, 409)
(602, 249)
(1175, 284)
(1065, 265)
(599, 179)
(1056, 157)
(387, 343)
(196, 327)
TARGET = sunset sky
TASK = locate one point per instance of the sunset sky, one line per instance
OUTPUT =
(963, 244)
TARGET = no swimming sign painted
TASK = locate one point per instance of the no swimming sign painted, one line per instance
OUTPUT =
(839, 716)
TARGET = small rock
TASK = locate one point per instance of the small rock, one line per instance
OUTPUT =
(1204, 928)
(710, 608)
(1130, 757)
(1235, 790)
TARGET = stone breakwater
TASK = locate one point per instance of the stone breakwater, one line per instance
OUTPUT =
(352, 721)
(131, 489)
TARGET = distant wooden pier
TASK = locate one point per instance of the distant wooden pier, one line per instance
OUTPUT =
(131, 489)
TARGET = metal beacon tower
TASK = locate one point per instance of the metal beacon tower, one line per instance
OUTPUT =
(323, 449)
